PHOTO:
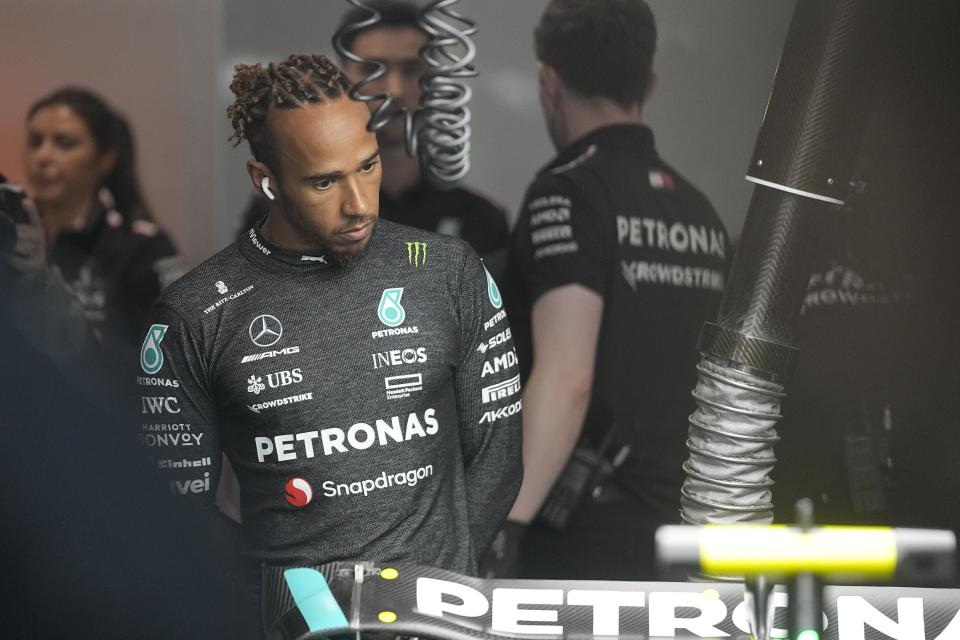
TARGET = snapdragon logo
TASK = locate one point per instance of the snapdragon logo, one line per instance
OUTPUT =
(298, 492)
(151, 357)
(384, 481)
(390, 311)
(492, 291)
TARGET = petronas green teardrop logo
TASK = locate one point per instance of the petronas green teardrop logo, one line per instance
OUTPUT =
(390, 311)
(151, 356)
(492, 291)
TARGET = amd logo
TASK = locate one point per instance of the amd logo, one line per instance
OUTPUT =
(500, 363)
(159, 404)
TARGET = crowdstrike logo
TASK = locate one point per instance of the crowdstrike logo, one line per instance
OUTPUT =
(279, 402)
(390, 311)
(255, 385)
(417, 253)
(298, 492)
(265, 330)
(151, 357)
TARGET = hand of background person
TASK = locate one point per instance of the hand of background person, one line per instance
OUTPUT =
(502, 560)
(29, 254)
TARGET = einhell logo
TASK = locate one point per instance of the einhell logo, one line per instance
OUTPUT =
(417, 253)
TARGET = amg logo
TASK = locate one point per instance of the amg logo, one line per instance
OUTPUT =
(502, 412)
(500, 363)
(159, 404)
(500, 390)
(269, 354)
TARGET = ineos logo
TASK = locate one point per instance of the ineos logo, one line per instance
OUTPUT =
(265, 330)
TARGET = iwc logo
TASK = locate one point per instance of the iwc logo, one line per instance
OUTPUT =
(492, 291)
(151, 357)
(390, 311)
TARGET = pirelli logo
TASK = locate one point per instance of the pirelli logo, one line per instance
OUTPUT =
(500, 390)
(417, 253)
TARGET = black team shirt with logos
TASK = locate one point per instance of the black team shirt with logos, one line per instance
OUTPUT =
(608, 214)
(369, 412)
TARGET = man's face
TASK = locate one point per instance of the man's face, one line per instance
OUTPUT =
(397, 48)
(329, 178)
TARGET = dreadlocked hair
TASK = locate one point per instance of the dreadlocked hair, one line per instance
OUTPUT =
(298, 80)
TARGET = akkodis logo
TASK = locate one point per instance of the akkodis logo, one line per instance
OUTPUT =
(298, 492)
(390, 311)
(492, 291)
(151, 357)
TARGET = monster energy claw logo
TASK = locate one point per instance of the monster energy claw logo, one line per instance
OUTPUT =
(417, 253)
(151, 357)
(390, 311)
(492, 291)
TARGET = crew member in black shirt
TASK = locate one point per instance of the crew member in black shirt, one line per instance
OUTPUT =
(615, 263)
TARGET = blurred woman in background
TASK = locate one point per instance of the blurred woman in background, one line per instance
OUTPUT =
(97, 233)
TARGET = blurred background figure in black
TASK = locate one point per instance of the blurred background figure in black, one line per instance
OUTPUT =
(405, 197)
(614, 264)
(93, 545)
(85, 270)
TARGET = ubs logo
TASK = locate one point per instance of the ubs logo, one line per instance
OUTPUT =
(265, 330)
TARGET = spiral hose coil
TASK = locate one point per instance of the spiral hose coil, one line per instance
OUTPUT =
(439, 132)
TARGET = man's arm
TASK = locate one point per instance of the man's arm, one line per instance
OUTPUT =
(565, 325)
(177, 425)
(488, 404)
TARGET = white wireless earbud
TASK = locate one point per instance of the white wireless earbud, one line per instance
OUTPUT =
(265, 185)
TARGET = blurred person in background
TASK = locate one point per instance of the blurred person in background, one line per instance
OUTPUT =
(90, 265)
(614, 264)
(405, 196)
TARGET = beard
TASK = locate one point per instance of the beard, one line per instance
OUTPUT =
(338, 256)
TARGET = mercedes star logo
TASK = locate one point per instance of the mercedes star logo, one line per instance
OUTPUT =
(265, 330)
